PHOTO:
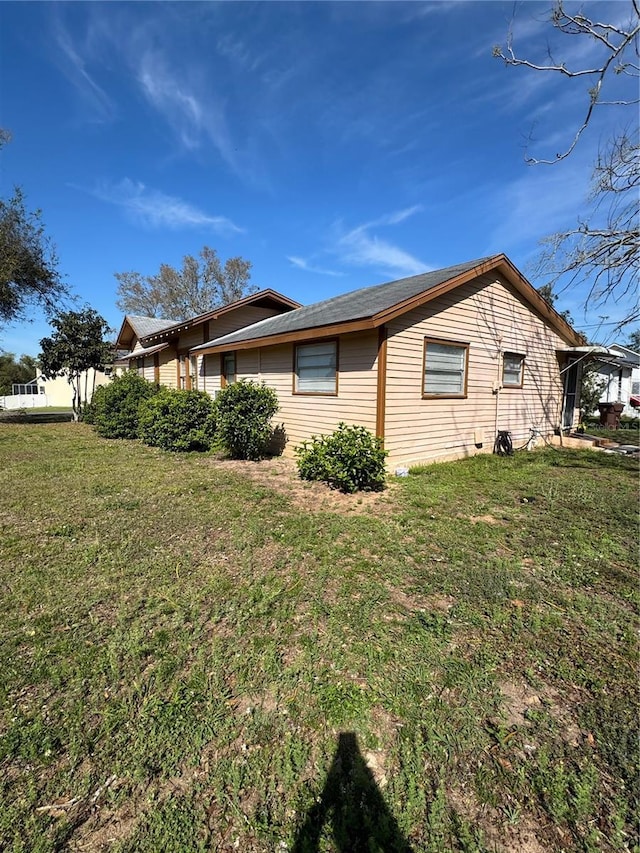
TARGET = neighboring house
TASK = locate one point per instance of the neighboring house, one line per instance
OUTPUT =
(620, 372)
(434, 364)
(159, 349)
(58, 392)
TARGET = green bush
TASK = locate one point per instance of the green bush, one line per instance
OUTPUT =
(351, 459)
(115, 406)
(244, 411)
(178, 420)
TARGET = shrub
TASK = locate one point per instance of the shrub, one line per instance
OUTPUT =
(115, 406)
(351, 459)
(178, 420)
(244, 411)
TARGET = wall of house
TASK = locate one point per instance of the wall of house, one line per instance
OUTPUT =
(58, 391)
(618, 385)
(492, 318)
(305, 415)
(168, 368)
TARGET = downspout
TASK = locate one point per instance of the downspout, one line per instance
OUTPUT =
(497, 386)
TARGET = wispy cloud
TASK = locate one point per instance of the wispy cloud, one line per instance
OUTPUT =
(360, 247)
(154, 209)
(179, 106)
(74, 67)
(303, 264)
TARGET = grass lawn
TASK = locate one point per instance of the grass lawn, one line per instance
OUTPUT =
(620, 436)
(203, 655)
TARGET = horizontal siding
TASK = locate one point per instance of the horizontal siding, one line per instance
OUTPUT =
(490, 316)
(168, 368)
(235, 320)
(304, 416)
(148, 371)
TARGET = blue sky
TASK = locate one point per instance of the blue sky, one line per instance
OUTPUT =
(335, 145)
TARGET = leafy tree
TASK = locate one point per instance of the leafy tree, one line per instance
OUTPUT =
(603, 248)
(590, 390)
(16, 372)
(633, 341)
(77, 345)
(28, 262)
(201, 285)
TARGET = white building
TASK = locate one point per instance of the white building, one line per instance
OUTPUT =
(621, 374)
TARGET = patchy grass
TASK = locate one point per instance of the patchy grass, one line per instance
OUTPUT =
(624, 435)
(199, 655)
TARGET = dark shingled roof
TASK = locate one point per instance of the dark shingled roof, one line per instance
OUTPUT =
(356, 305)
(144, 326)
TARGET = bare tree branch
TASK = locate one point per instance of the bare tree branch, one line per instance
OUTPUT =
(614, 39)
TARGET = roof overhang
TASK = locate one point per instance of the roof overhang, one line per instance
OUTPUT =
(498, 263)
(264, 298)
(142, 353)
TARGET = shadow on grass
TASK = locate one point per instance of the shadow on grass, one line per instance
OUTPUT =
(35, 417)
(355, 808)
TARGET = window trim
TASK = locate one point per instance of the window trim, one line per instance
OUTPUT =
(511, 385)
(224, 379)
(447, 343)
(295, 376)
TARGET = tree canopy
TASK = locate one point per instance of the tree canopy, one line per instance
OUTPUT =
(77, 344)
(202, 284)
(28, 262)
(603, 248)
(14, 372)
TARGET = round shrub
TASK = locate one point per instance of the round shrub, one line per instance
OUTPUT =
(244, 411)
(115, 406)
(178, 420)
(351, 459)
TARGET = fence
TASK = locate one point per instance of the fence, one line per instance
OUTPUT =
(23, 401)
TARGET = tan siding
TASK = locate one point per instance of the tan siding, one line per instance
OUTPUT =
(304, 416)
(148, 371)
(238, 319)
(492, 318)
(168, 368)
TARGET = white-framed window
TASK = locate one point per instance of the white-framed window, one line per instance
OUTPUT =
(445, 368)
(512, 370)
(316, 368)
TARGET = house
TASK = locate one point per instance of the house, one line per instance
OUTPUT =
(59, 391)
(620, 373)
(435, 364)
(159, 348)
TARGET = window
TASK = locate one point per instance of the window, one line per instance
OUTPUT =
(635, 388)
(316, 368)
(512, 370)
(445, 369)
(228, 368)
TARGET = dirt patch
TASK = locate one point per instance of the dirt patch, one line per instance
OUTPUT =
(414, 601)
(281, 475)
(518, 699)
(498, 834)
(485, 519)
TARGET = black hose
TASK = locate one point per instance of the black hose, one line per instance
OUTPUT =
(503, 445)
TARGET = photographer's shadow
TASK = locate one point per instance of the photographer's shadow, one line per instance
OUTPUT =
(352, 803)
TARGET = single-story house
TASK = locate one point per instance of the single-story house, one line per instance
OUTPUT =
(435, 364)
(159, 348)
(620, 373)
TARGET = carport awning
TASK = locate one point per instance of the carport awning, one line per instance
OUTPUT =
(141, 353)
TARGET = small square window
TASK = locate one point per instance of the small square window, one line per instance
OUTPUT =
(512, 370)
(316, 368)
(445, 369)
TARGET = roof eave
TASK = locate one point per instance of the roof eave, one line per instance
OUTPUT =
(268, 293)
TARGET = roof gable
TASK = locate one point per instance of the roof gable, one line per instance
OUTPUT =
(135, 325)
(264, 298)
(371, 307)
